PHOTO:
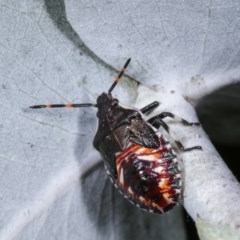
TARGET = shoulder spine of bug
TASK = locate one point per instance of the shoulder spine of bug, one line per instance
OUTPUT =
(139, 160)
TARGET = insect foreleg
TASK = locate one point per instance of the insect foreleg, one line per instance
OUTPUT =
(157, 122)
(178, 119)
(149, 108)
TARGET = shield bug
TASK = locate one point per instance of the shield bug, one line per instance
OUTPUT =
(141, 163)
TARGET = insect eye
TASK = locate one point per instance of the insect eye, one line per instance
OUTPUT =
(114, 102)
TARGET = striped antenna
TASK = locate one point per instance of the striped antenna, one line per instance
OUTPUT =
(78, 105)
(68, 105)
(119, 76)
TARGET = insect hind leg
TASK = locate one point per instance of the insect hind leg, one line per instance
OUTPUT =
(149, 108)
(182, 148)
(157, 122)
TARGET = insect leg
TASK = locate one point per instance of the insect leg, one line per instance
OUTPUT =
(157, 122)
(149, 108)
(181, 120)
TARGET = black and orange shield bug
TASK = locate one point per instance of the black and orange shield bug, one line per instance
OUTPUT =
(141, 163)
